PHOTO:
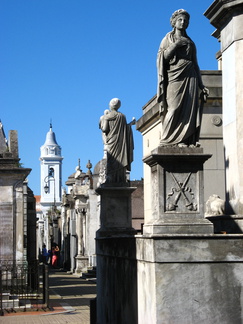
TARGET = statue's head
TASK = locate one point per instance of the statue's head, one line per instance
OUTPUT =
(176, 14)
(115, 104)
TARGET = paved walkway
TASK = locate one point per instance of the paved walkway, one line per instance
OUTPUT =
(69, 297)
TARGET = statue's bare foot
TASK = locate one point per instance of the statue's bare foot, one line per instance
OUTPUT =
(196, 145)
(182, 145)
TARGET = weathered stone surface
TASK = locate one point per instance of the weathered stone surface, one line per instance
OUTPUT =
(3, 140)
(190, 279)
(13, 211)
(177, 191)
(115, 208)
(116, 258)
(116, 280)
(226, 16)
(82, 263)
(13, 143)
(190, 248)
(6, 231)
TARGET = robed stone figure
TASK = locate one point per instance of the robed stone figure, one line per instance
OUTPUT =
(118, 144)
(179, 81)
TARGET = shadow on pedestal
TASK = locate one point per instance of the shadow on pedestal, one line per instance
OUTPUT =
(116, 258)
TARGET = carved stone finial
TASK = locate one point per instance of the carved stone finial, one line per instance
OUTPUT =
(89, 166)
(78, 170)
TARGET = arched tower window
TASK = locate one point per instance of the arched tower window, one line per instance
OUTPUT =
(51, 172)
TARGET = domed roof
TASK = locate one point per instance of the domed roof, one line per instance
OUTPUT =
(50, 137)
(50, 148)
(97, 167)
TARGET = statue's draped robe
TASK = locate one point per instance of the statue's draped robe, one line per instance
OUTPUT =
(178, 95)
(119, 144)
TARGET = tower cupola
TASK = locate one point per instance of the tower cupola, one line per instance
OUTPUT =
(50, 147)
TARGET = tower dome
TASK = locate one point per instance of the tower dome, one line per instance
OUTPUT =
(50, 147)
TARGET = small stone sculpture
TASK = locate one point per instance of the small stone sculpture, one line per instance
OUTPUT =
(102, 120)
(118, 144)
(178, 82)
(215, 206)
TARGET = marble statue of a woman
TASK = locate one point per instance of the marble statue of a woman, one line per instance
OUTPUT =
(179, 81)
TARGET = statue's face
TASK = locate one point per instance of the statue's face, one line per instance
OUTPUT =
(182, 22)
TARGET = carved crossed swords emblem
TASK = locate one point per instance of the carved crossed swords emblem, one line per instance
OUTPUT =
(181, 191)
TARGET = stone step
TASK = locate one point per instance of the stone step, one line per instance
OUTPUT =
(5, 296)
(90, 274)
(11, 303)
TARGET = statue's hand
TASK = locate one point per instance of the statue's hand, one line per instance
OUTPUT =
(205, 91)
(133, 122)
(204, 94)
(169, 52)
(183, 41)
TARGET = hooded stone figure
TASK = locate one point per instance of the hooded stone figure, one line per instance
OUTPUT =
(118, 142)
(179, 80)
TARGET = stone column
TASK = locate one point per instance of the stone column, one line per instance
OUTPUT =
(227, 17)
(81, 258)
(55, 228)
(19, 221)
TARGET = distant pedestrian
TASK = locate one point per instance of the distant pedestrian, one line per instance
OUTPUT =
(45, 255)
(55, 253)
(49, 257)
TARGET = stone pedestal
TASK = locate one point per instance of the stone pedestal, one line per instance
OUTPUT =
(190, 279)
(82, 263)
(115, 210)
(177, 191)
(116, 280)
(116, 257)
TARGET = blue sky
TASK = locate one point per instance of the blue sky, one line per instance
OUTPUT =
(65, 59)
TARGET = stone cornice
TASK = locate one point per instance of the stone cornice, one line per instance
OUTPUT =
(221, 11)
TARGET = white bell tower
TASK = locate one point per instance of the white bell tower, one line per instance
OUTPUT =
(51, 183)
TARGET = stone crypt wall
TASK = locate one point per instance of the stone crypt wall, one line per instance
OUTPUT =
(13, 214)
(227, 18)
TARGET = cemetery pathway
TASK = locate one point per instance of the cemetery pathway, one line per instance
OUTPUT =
(69, 299)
